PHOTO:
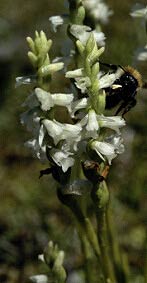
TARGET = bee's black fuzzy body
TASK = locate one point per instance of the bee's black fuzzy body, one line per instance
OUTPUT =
(123, 91)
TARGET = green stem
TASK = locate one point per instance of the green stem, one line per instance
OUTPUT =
(122, 272)
(88, 258)
(100, 196)
(104, 245)
(145, 265)
(86, 228)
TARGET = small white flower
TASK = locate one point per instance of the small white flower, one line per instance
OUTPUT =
(82, 33)
(56, 21)
(25, 80)
(78, 104)
(48, 100)
(74, 74)
(104, 150)
(139, 13)
(62, 158)
(98, 10)
(41, 257)
(106, 80)
(54, 129)
(117, 142)
(31, 120)
(59, 131)
(83, 83)
(113, 122)
(141, 54)
(44, 98)
(41, 278)
(92, 124)
(39, 152)
(36, 144)
(99, 37)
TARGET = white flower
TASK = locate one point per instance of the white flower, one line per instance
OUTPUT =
(79, 104)
(110, 148)
(117, 142)
(98, 10)
(36, 144)
(139, 13)
(59, 131)
(41, 278)
(39, 151)
(82, 33)
(104, 150)
(74, 74)
(25, 80)
(113, 122)
(56, 21)
(92, 124)
(41, 257)
(31, 120)
(62, 158)
(48, 100)
(99, 37)
(106, 80)
(83, 83)
(44, 98)
(141, 55)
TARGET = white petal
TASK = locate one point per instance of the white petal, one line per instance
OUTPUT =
(106, 80)
(80, 32)
(25, 80)
(44, 98)
(79, 104)
(62, 99)
(31, 120)
(41, 135)
(41, 257)
(117, 141)
(139, 13)
(60, 131)
(114, 122)
(92, 124)
(142, 55)
(56, 21)
(41, 278)
(75, 73)
(99, 37)
(104, 150)
(83, 83)
(54, 129)
(62, 159)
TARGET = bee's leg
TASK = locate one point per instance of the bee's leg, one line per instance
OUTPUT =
(112, 66)
(122, 106)
(129, 106)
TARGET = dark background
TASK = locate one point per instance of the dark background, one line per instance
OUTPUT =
(30, 213)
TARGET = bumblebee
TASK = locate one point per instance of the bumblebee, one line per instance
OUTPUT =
(122, 92)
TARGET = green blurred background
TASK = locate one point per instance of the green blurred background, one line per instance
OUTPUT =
(30, 213)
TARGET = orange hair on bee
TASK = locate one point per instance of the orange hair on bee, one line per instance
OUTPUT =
(135, 74)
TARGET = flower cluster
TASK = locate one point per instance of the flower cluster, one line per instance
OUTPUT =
(86, 129)
(67, 141)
